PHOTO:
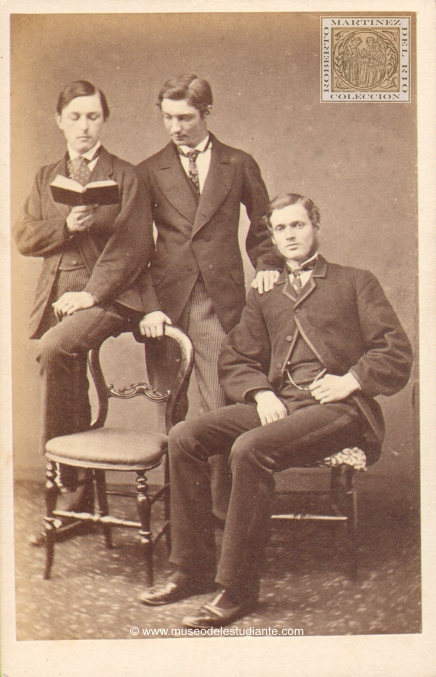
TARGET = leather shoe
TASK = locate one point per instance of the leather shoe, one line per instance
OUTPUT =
(171, 591)
(217, 614)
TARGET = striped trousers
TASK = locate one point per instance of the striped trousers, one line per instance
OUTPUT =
(200, 322)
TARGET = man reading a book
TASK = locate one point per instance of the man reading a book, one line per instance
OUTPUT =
(93, 258)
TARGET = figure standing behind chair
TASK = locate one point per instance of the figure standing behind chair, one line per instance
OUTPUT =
(303, 366)
(196, 185)
(93, 257)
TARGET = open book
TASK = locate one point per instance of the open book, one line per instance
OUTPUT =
(72, 193)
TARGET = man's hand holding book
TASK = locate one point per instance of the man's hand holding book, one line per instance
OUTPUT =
(80, 218)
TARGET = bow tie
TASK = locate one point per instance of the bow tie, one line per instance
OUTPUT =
(307, 265)
(303, 268)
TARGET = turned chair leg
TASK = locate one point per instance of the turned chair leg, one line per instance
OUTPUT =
(51, 495)
(167, 514)
(344, 502)
(335, 489)
(102, 503)
(351, 513)
(144, 514)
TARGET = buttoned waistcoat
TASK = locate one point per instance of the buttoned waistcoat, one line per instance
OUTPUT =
(116, 249)
(345, 318)
(201, 236)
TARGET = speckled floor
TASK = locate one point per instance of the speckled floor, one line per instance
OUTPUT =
(93, 592)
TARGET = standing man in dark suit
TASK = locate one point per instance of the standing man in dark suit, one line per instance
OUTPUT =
(93, 258)
(196, 185)
(303, 367)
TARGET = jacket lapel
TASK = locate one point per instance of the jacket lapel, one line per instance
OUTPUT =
(59, 168)
(172, 180)
(104, 167)
(218, 183)
(288, 289)
(319, 271)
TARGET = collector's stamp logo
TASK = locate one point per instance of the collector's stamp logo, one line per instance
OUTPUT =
(365, 59)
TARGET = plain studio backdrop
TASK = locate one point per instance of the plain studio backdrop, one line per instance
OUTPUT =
(356, 160)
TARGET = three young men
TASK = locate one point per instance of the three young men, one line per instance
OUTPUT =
(302, 366)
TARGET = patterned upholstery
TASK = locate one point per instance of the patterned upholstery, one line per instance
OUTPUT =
(353, 457)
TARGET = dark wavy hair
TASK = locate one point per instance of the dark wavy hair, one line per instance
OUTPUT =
(81, 88)
(196, 91)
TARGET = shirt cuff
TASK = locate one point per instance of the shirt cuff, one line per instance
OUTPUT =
(67, 233)
(359, 385)
(249, 394)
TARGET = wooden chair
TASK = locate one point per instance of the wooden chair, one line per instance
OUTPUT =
(342, 499)
(104, 448)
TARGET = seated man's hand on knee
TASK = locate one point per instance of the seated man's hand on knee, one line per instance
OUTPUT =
(332, 388)
(71, 301)
(269, 407)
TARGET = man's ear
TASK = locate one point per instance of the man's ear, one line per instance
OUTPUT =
(58, 120)
(208, 111)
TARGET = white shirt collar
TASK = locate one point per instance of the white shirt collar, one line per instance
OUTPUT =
(200, 147)
(303, 263)
(88, 155)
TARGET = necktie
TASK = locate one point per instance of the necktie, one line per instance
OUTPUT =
(296, 274)
(192, 155)
(79, 170)
(192, 169)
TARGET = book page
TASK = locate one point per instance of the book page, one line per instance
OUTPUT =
(100, 184)
(67, 183)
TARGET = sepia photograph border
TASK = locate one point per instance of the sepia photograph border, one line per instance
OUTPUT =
(405, 655)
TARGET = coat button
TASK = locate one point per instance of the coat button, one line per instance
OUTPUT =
(75, 263)
(279, 365)
(210, 266)
(289, 338)
(189, 268)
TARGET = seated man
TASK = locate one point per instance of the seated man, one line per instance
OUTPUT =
(303, 366)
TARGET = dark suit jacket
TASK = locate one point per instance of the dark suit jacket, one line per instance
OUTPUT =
(347, 321)
(115, 250)
(202, 236)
